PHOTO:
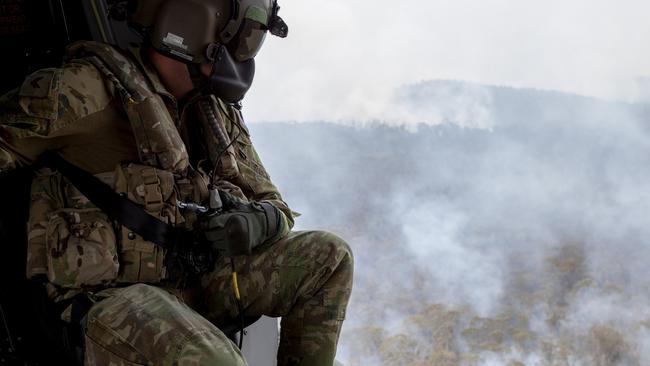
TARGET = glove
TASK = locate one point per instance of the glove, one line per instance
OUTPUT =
(240, 226)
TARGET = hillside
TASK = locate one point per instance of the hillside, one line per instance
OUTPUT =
(511, 229)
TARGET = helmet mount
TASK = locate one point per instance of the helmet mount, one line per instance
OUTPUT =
(277, 26)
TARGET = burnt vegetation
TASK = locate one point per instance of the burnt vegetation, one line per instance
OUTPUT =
(522, 243)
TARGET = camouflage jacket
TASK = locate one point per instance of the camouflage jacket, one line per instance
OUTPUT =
(78, 111)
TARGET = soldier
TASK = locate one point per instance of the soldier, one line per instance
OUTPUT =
(191, 232)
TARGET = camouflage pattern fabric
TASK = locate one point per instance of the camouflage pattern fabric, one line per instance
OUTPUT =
(158, 141)
(146, 325)
(82, 248)
(305, 278)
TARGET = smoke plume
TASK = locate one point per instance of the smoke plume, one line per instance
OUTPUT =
(513, 231)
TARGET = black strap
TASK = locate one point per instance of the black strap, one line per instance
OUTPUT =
(129, 214)
(233, 326)
(79, 307)
(118, 207)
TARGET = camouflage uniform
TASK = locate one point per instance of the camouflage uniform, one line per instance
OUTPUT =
(303, 277)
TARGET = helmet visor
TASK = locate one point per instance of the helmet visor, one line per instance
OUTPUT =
(248, 41)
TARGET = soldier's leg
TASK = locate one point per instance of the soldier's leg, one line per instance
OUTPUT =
(146, 325)
(305, 278)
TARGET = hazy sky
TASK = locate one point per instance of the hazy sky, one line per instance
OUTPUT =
(344, 59)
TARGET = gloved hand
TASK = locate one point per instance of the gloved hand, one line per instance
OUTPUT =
(240, 226)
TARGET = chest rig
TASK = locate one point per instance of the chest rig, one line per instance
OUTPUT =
(78, 246)
(158, 140)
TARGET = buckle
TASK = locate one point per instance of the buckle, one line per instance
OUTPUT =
(153, 199)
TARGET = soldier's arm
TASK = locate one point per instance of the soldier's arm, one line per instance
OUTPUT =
(39, 115)
(7, 158)
(261, 186)
(255, 180)
(14, 124)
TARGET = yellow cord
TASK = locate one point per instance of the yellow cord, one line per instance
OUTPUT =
(235, 286)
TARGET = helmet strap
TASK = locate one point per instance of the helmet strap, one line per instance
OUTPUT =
(198, 79)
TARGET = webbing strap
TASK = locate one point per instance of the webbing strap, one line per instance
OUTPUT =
(116, 206)
(130, 102)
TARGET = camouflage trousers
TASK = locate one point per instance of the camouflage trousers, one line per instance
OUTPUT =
(305, 278)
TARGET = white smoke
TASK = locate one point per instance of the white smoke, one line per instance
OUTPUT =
(515, 233)
(344, 59)
(491, 226)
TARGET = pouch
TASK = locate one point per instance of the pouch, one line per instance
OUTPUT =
(45, 198)
(153, 189)
(81, 248)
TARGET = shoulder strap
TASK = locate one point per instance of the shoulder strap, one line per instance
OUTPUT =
(116, 206)
(158, 141)
(129, 99)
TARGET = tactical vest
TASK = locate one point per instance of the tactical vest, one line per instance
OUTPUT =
(73, 243)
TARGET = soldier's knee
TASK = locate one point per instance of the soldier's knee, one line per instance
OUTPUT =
(150, 325)
(340, 252)
(208, 348)
(142, 290)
